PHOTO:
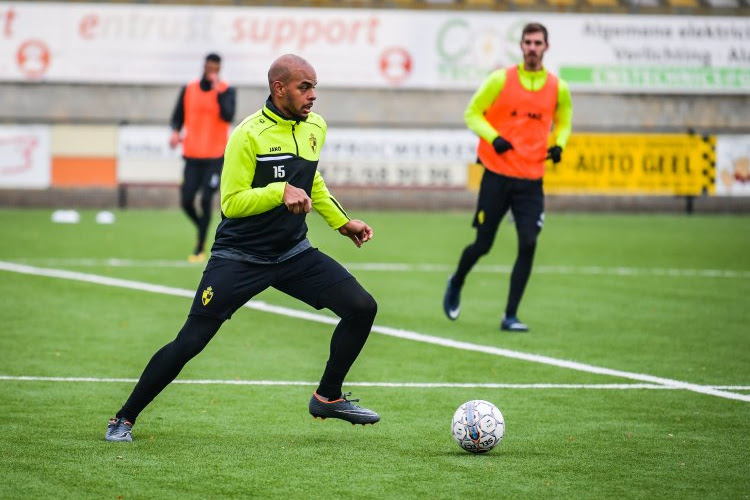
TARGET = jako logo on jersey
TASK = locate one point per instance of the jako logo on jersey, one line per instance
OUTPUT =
(275, 148)
(208, 294)
(480, 217)
(313, 143)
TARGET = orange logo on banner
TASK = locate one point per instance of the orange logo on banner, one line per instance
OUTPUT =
(33, 58)
(395, 64)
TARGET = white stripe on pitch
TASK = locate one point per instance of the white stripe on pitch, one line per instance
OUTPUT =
(416, 385)
(424, 268)
(393, 332)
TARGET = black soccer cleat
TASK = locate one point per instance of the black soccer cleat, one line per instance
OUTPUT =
(513, 324)
(341, 408)
(452, 300)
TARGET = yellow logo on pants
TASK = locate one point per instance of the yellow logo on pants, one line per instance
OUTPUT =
(208, 294)
(480, 217)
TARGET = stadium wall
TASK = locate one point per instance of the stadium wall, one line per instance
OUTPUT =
(86, 119)
(152, 104)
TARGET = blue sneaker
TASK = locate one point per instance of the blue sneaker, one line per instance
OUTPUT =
(512, 324)
(341, 408)
(119, 429)
(452, 300)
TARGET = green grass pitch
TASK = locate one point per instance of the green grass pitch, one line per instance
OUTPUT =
(644, 297)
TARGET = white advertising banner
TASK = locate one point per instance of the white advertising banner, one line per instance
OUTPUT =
(103, 43)
(144, 156)
(733, 165)
(352, 157)
(25, 157)
(413, 158)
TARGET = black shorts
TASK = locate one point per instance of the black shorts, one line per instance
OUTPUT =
(202, 174)
(228, 284)
(498, 193)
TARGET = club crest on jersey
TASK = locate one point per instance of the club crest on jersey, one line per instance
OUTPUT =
(208, 294)
(313, 142)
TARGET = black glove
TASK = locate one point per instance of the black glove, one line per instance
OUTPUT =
(501, 145)
(555, 154)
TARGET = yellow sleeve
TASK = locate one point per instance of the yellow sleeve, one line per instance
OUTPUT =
(480, 102)
(238, 197)
(326, 205)
(563, 118)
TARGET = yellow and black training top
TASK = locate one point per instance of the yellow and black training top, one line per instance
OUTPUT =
(264, 153)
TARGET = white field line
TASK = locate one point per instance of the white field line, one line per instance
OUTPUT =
(427, 268)
(393, 332)
(415, 385)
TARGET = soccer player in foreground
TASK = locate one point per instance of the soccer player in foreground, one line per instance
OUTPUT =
(512, 112)
(269, 183)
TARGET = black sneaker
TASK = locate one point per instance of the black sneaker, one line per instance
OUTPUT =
(119, 429)
(341, 408)
(512, 324)
(452, 300)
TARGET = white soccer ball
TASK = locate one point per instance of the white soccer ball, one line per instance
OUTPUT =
(478, 426)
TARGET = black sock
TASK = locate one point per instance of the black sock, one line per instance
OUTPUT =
(357, 310)
(329, 394)
(519, 278)
(166, 364)
(471, 254)
(129, 419)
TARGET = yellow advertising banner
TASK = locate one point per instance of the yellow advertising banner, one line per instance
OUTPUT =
(632, 164)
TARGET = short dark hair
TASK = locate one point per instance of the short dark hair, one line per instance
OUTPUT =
(213, 57)
(535, 28)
